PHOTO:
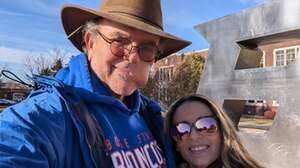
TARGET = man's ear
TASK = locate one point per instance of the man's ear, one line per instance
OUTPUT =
(88, 41)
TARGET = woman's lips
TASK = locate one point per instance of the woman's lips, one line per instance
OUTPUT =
(198, 148)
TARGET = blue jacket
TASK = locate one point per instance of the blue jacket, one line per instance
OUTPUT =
(73, 121)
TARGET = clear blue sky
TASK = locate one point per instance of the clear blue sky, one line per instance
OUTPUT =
(32, 27)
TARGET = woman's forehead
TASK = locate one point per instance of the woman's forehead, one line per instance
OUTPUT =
(189, 111)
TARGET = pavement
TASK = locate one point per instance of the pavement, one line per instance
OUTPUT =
(252, 130)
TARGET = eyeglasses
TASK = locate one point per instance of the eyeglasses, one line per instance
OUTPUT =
(204, 125)
(121, 46)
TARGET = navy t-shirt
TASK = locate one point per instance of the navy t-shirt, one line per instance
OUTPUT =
(129, 141)
(127, 137)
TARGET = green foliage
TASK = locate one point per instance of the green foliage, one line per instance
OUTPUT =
(151, 88)
(45, 71)
(186, 78)
(57, 64)
(46, 64)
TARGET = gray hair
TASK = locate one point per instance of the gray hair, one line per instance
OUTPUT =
(89, 26)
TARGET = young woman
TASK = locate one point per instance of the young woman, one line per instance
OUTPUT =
(204, 137)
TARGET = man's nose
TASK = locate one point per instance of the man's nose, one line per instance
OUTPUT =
(133, 54)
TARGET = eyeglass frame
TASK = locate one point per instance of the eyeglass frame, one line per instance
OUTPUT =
(111, 40)
(178, 136)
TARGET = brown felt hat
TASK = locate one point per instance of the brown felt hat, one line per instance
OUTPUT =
(143, 15)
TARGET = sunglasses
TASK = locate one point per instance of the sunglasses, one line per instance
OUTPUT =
(204, 125)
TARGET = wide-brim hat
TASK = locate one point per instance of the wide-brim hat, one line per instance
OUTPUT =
(144, 15)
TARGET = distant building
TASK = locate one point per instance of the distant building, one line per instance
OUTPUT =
(280, 54)
(163, 70)
(13, 91)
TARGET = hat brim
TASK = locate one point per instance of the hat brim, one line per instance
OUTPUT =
(73, 17)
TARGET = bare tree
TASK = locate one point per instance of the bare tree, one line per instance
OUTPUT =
(1, 82)
(58, 54)
(36, 64)
(46, 64)
(1, 76)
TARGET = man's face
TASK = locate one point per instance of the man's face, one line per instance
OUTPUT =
(123, 75)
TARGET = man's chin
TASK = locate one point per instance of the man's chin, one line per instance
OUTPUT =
(121, 93)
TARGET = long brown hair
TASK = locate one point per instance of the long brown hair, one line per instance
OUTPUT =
(233, 153)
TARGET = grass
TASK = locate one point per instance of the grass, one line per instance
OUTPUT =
(1, 108)
(258, 121)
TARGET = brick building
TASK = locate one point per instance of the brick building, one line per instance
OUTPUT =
(164, 69)
(13, 91)
(280, 53)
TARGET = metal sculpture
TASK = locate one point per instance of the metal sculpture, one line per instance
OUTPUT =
(223, 79)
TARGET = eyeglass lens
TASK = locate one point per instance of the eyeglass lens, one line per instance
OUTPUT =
(146, 52)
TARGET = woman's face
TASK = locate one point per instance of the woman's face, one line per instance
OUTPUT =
(198, 149)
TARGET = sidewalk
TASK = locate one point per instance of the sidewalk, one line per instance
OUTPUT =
(254, 125)
(251, 130)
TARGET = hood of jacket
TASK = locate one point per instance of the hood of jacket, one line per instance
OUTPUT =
(90, 88)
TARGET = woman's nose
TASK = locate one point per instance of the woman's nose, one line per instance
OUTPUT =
(194, 134)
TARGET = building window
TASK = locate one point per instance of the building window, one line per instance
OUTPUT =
(290, 55)
(160, 93)
(255, 102)
(285, 56)
(160, 74)
(263, 60)
(18, 96)
(165, 73)
(279, 58)
(163, 93)
(165, 76)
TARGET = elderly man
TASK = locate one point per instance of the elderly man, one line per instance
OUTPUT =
(92, 114)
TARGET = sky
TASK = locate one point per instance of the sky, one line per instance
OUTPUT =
(30, 28)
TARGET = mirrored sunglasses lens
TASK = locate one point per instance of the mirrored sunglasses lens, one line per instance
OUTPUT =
(183, 128)
(208, 124)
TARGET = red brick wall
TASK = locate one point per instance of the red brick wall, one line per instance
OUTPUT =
(177, 59)
(167, 61)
